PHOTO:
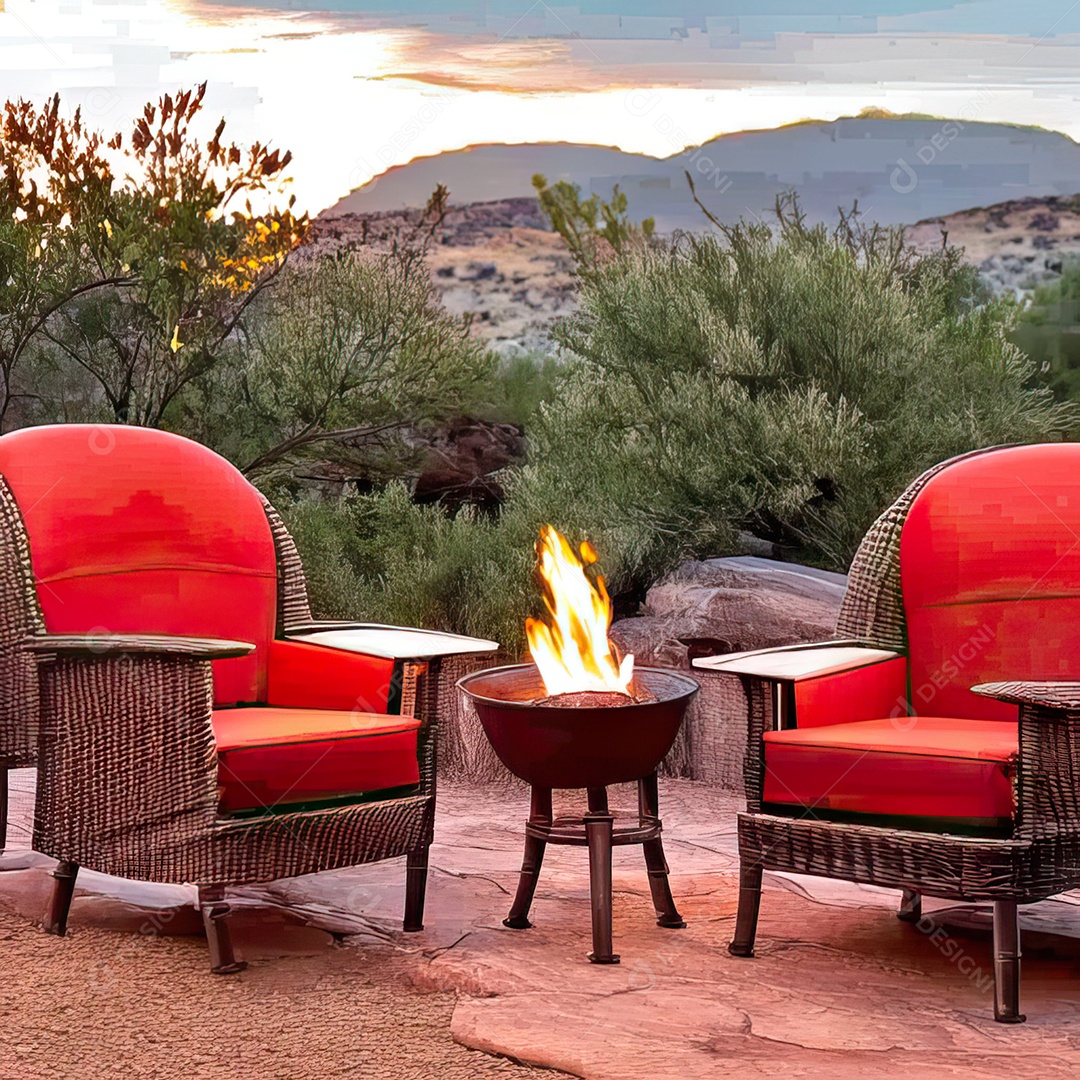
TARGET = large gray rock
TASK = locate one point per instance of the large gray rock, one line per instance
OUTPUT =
(725, 605)
(718, 606)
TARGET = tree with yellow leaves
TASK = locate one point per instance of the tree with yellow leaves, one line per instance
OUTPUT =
(148, 271)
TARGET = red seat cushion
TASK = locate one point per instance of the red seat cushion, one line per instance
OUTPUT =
(270, 757)
(134, 530)
(957, 770)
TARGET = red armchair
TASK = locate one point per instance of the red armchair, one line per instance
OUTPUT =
(190, 730)
(878, 759)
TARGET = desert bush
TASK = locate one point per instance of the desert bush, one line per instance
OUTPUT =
(1048, 330)
(594, 230)
(383, 558)
(788, 380)
(344, 353)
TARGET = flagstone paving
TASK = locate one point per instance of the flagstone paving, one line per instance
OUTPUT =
(839, 988)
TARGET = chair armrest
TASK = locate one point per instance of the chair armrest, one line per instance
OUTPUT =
(830, 682)
(102, 645)
(389, 642)
(793, 663)
(1048, 763)
(127, 769)
(1045, 695)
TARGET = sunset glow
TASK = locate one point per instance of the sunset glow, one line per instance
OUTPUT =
(351, 98)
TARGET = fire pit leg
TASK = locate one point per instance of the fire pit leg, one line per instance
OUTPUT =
(540, 815)
(599, 824)
(667, 915)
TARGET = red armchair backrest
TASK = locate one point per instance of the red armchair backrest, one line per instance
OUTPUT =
(134, 530)
(990, 575)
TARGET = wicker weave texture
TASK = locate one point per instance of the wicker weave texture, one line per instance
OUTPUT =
(872, 609)
(293, 604)
(20, 617)
(128, 786)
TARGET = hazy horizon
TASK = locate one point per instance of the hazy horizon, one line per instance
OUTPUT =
(353, 87)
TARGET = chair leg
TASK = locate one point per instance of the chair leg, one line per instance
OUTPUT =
(215, 915)
(749, 903)
(1007, 963)
(416, 874)
(3, 809)
(60, 902)
(910, 909)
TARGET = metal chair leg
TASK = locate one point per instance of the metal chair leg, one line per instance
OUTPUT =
(215, 915)
(910, 909)
(60, 902)
(416, 873)
(540, 814)
(749, 903)
(1007, 963)
(3, 809)
(599, 828)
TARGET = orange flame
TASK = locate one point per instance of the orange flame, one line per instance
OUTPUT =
(571, 648)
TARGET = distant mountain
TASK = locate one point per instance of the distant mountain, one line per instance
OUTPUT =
(900, 170)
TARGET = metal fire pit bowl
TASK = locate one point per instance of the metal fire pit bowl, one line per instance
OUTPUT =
(577, 746)
(571, 745)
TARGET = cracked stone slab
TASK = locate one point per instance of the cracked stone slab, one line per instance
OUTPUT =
(839, 988)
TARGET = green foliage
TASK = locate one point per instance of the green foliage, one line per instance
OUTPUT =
(593, 229)
(342, 349)
(786, 380)
(1048, 330)
(520, 384)
(383, 558)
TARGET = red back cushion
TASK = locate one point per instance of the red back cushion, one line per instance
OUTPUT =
(990, 573)
(134, 530)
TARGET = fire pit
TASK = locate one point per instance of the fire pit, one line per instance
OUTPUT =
(582, 717)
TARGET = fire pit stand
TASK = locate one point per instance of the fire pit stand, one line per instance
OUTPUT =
(591, 746)
(599, 830)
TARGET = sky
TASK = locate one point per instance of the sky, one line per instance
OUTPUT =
(357, 86)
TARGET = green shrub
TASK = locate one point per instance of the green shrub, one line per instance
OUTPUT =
(593, 229)
(344, 354)
(1048, 330)
(382, 558)
(786, 381)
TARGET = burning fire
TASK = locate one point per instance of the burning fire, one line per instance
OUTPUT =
(571, 648)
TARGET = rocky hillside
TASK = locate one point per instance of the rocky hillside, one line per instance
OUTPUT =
(1017, 245)
(497, 262)
(500, 263)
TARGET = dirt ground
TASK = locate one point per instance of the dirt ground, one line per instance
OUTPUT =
(105, 1003)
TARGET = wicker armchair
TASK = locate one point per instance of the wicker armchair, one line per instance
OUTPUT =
(877, 758)
(191, 722)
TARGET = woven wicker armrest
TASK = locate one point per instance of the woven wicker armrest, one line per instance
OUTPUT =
(107, 645)
(1045, 695)
(792, 663)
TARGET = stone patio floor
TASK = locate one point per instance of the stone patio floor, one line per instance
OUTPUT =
(839, 988)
